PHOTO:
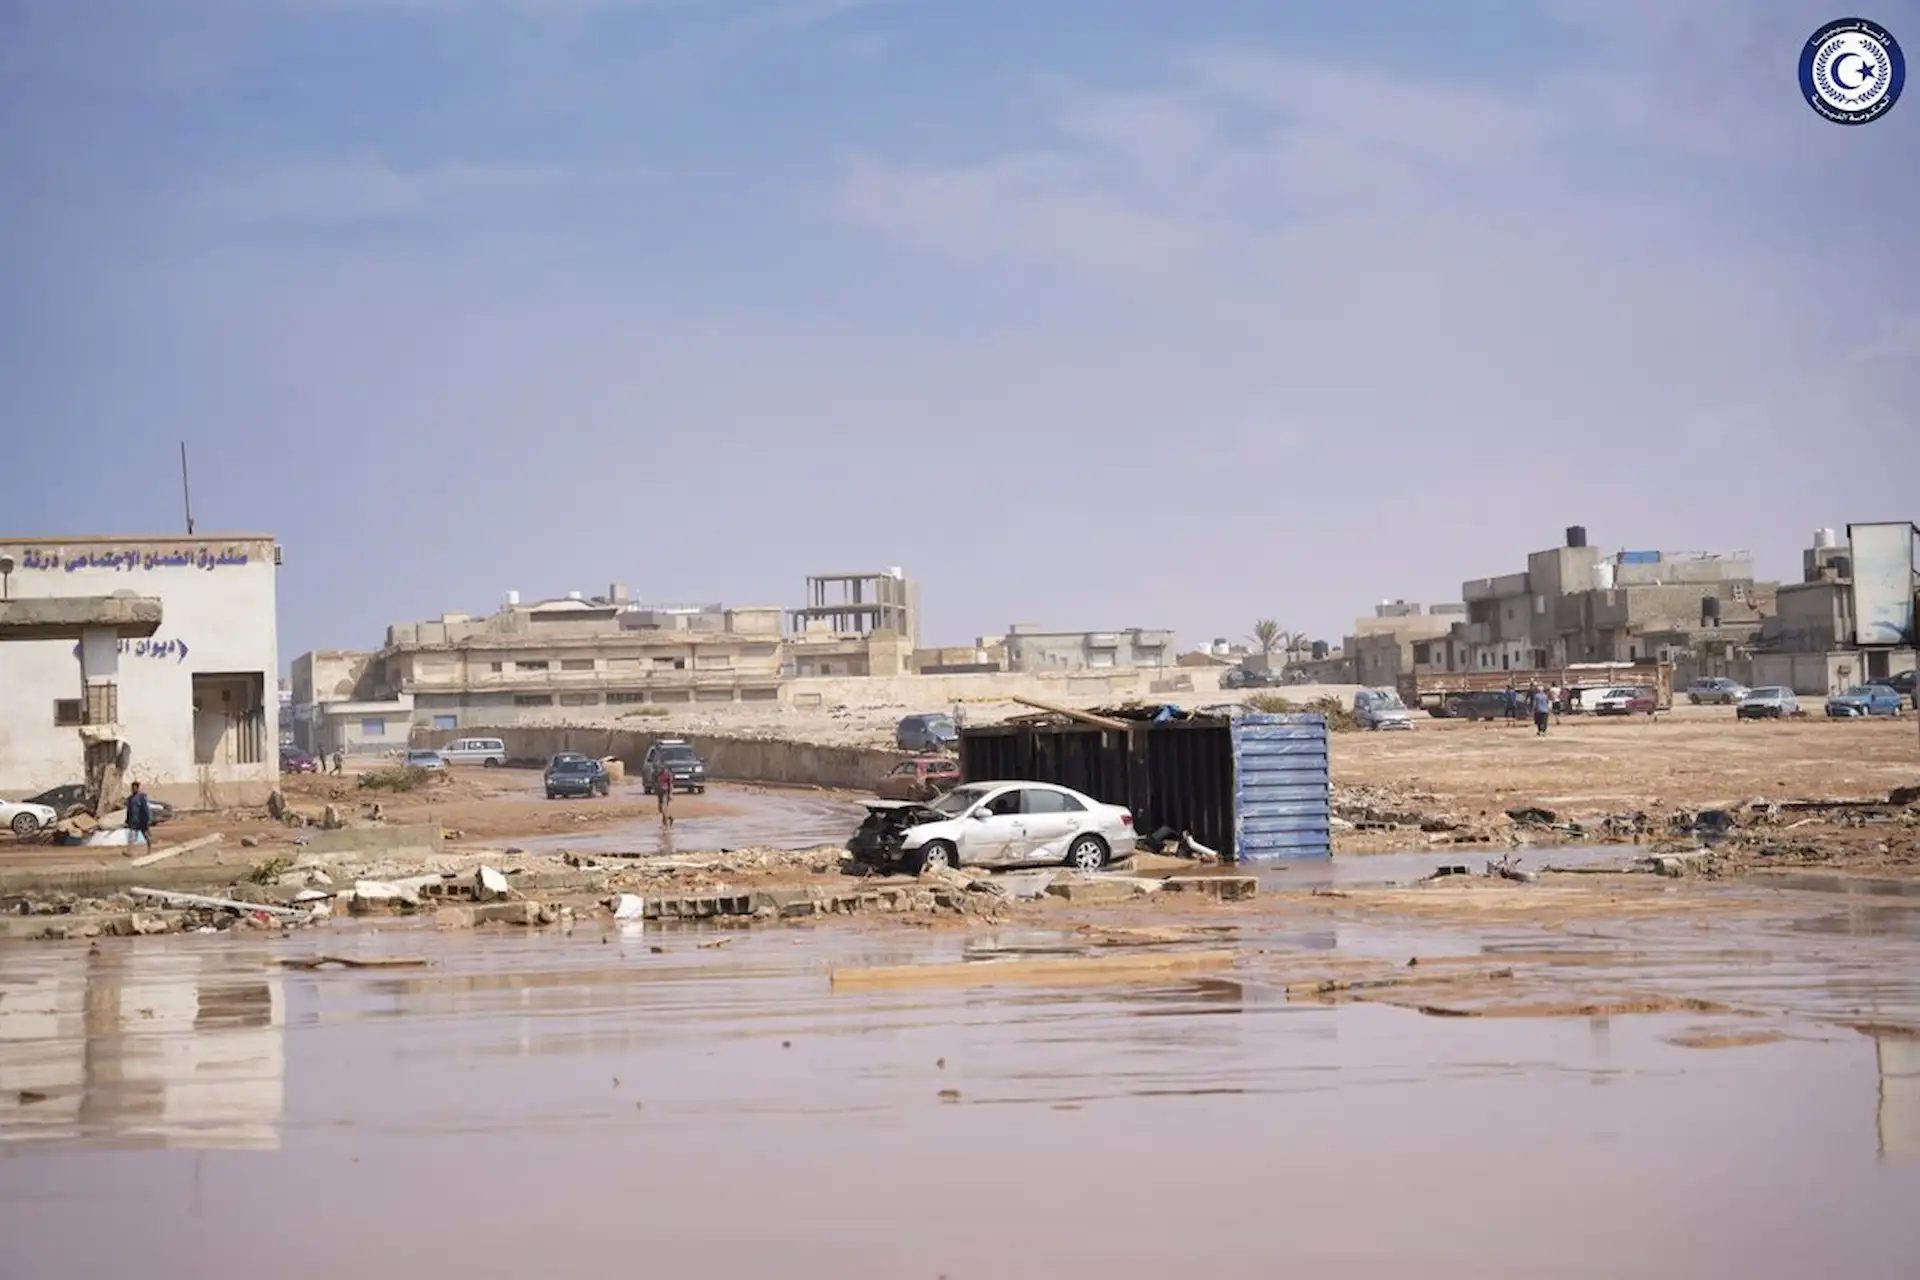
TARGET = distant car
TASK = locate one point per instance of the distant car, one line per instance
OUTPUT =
(66, 798)
(1487, 704)
(1716, 690)
(294, 760)
(921, 778)
(25, 818)
(935, 732)
(1245, 677)
(1624, 700)
(1380, 709)
(995, 824)
(1902, 683)
(571, 775)
(1770, 702)
(677, 757)
(1866, 700)
(419, 759)
(490, 752)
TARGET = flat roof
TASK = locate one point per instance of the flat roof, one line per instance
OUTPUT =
(103, 538)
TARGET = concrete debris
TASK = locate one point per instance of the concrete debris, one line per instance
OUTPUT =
(490, 885)
(1222, 888)
(628, 906)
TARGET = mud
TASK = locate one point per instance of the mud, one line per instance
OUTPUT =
(587, 1102)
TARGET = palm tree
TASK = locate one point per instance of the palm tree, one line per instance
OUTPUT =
(1268, 636)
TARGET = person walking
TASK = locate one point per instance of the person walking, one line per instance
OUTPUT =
(339, 761)
(140, 815)
(663, 792)
(1542, 708)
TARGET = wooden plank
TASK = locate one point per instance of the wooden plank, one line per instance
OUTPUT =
(175, 850)
(1098, 969)
(1084, 717)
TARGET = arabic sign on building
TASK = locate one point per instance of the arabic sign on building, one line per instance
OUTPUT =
(123, 558)
(151, 648)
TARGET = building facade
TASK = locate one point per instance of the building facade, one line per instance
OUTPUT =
(556, 660)
(1031, 650)
(1387, 645)
(197, 703)
(1810, 643)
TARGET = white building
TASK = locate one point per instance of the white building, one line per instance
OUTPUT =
(196, 703)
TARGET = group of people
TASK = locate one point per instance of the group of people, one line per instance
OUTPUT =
(1541, 701)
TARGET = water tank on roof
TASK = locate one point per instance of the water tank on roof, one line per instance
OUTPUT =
(513, 598)
(1825, 539)
(896, 572)
(573, 595)
(1319, 650)
(1603, 576)
(1576, 535)
(1220, 648)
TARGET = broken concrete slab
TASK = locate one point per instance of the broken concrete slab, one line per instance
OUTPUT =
(490, 885)
(1100, 890)
(174, 851)
(1224, 888)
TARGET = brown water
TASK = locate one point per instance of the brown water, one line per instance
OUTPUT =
(547, 1105)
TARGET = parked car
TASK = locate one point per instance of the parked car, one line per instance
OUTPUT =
(64, 799)
(1902, 683)
(995, 824)
(1245, 677)
(294, 760)
(570, 775)
(1866, 700)
(1487, 704)
(1624, 700)
(490, 752)
(921, 778)
(676, 756)
(1716, 690)
(1380, 709)
(1770, 702)
(24, 817)
(935, 732)
(418, 758)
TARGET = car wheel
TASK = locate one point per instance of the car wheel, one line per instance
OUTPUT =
(1694, 698)
(491, 763)
(25, 824)
(552, 796)
(1087, 853)
(935, 853)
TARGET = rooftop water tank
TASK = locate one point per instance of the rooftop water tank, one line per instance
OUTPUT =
(513, 598)
(1825, 539)
(1576, 535)
(1603, 576)
(574, 595)
(896, 572)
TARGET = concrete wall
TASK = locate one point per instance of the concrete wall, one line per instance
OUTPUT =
(938, 692)
(727, 759)
(217, 617)
(1807, 674)
(1037, 652)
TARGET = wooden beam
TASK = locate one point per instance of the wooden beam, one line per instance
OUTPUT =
(1084, 717)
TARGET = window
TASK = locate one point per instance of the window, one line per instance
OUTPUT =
(625, 697)
(66, 712)
(576, 664)
(714, 661)
(497, 667)
(669, 664)
(1005, 805)
(539, 665)
(1039, 801)
(448, 722)
(622, 664)
(373, 727)
(907, 770)
(579, 699)
(532, 699)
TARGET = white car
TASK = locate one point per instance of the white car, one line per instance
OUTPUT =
(996, 824)
(24, 818)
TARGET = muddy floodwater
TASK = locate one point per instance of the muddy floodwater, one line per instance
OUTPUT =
(767, 818)
(582, 1104)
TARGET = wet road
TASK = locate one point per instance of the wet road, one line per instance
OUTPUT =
(756, 817)
(567, 1106)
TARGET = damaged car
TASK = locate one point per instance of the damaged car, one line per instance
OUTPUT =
(921, 778)
(995, 824)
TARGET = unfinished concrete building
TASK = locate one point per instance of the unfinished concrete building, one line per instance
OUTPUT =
(855, 624)
(1809, 643)
(1386, 646)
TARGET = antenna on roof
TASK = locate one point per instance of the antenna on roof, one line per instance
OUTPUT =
(186, 493)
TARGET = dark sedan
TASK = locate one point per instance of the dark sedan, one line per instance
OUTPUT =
(65, 799)
(577, 776)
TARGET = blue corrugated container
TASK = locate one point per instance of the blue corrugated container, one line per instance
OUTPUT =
(1282, 788)
(1639, 557)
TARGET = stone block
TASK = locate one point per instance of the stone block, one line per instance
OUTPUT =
(1224, 888)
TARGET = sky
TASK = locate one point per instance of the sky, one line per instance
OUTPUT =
(1088, 314)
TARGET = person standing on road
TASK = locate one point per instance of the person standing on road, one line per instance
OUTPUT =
(140, 815)
(1542, 708)
(663, 792)
(339, 761)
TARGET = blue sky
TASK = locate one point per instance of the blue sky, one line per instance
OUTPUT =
(1089, 314)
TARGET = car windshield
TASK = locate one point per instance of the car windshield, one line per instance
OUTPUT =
(1764, 694)
(575, 765)
(1386, 701)
(676, 755)
(423, 755)
(959, 800)
(1859, 691)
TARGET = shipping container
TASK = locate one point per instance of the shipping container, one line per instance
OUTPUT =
(1252, 787)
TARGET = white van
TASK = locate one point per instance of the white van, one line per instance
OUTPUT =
(491, 752)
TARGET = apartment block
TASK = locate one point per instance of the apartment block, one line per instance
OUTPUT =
(1030, 649)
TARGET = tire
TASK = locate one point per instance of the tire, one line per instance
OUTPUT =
(1087, 853)
(25, 824)
(553, 795)
(1694, 698)
(935, 853)
(491, 763)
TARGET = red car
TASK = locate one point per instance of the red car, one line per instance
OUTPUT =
(294, 760)
(921, 778)
(1624, 701)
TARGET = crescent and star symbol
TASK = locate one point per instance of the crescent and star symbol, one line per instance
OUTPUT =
(1835, 72)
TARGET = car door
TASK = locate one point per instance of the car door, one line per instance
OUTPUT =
(1052, 820)
(996, 828)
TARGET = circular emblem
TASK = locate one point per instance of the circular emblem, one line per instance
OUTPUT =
(1852, 71)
